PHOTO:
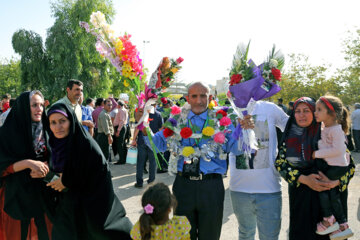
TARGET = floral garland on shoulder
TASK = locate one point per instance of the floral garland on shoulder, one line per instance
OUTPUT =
(177, 128)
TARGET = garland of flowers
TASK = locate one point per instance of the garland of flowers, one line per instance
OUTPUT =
(177, 128)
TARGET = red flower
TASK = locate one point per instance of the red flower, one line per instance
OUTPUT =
(222, 112)
(168, 132)
(186, 132)
(179, 60)
(168, 79)
(235, 79)
(276, 73)
(164, 100)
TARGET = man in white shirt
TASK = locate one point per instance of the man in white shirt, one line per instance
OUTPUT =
(255, 188)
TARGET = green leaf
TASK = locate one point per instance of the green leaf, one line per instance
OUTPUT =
(221, 128)
(168, 125)
(211, 123)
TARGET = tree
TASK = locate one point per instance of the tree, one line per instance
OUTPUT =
(351, 74)
(10, 77)
(29, 46)
(72, 50)
(304, 79)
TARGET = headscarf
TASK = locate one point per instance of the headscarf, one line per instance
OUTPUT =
(87, 176)
(301, 141)
(16, 144)
(58, 145)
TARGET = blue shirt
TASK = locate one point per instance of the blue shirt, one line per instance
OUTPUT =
(216, 165)
(86, 115)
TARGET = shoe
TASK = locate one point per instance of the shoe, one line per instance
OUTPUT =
(164, 170)
(331, 223)
(146, 171)
(344, 232)
(138, 185)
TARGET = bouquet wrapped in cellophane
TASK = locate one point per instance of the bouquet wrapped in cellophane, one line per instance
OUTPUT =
(250, 83)
(120, 51)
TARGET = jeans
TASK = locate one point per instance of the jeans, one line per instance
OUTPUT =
(261, 209)
(144, 152)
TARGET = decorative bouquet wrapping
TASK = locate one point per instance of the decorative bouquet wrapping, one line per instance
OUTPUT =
(250, 83)
(122, 54)
(155, 92)
(215, 128)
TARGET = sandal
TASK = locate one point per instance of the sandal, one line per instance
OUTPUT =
(322, 229)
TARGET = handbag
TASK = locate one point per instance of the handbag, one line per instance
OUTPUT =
(131, 155)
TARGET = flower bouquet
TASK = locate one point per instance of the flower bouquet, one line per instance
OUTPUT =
(155, 92)
(122, 54)
(250, 83)
(160, 80)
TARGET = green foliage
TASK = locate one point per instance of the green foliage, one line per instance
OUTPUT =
(304, 79)
(351, 74)
(239, 64)
(34, 62)
(10, 77)
(72, 50)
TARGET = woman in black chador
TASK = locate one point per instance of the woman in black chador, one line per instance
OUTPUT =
(88, 207)
(23, 165)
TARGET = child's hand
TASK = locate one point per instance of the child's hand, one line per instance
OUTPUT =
(313, 155)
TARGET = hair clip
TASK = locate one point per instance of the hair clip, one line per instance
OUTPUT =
(149, 209)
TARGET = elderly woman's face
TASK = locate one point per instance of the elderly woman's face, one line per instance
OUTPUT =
(36, 107)
(59, 125)
(303, 115)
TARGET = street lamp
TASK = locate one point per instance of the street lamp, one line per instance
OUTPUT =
(144, 42)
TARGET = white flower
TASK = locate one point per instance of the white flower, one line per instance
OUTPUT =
(97, 19)
(273, 63)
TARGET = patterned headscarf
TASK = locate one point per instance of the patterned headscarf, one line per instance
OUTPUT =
(301, 141)
(37, 129)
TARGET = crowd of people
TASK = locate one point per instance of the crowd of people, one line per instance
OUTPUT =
(55, 180)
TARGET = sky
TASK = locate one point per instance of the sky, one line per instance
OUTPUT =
(206, 32)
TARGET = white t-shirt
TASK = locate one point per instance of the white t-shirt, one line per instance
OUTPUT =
(259, 174)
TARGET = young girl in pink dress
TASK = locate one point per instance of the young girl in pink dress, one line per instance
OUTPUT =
(333, 160)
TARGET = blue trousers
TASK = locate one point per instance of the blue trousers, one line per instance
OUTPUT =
(144, 153)
(261, 209)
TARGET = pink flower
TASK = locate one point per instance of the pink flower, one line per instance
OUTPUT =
(225, 121)
(175, 110)
(149, 209)
(219, 137)
(179, 60)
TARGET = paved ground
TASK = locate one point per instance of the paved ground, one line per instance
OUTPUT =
(124, 180)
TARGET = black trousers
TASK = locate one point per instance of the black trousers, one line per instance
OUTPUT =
(330, 200)
(202, 202)
(114, 144)
(121, 145)
(356, 136)
(103, 142)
